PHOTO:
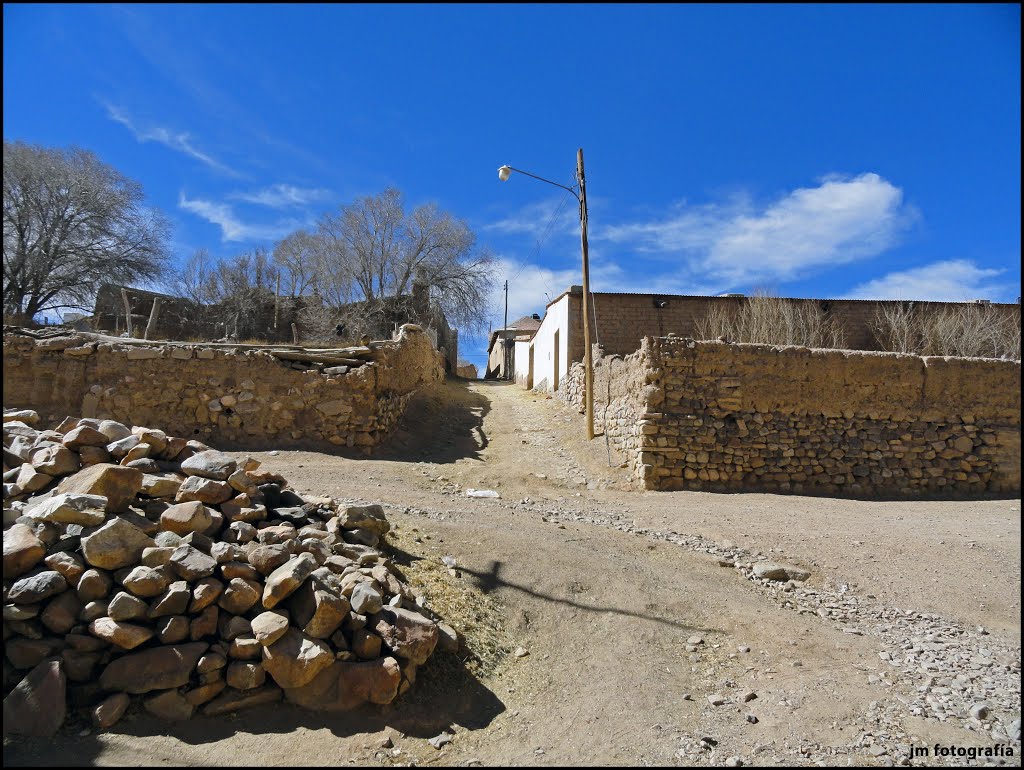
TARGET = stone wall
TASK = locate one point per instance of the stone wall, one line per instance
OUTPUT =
(733, 417)
(237, 397)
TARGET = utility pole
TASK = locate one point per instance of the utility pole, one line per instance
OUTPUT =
(504, 339)
(588, 363)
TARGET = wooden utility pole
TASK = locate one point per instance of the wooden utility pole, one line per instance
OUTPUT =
(588, 363)
(504, 339)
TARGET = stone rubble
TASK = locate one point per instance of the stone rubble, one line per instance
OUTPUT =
(130, 580)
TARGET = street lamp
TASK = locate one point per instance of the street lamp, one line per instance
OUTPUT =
(588, 365)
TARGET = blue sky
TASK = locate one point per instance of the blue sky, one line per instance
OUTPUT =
(810, 150)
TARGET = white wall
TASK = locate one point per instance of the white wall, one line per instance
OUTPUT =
(522, 362)
(555, 319)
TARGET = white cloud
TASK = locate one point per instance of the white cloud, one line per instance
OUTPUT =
(839, 221)
(954, 280)
(180, 142)
(232, 228)
(556, 216)
(281, 196)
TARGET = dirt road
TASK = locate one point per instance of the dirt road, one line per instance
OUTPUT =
(632, 627)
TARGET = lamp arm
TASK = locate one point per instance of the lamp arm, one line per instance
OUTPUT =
(556, 184)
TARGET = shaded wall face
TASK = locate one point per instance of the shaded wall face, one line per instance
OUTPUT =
(229, 397)
(724, 417)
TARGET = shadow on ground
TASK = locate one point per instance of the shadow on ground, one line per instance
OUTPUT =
(443, 422)
(445, 693)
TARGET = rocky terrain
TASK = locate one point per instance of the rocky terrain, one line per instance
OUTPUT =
(141, 564)
(637, 628)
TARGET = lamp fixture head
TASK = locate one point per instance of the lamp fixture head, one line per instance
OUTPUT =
(504, 173)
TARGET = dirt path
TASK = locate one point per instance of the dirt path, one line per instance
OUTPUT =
(609, 588)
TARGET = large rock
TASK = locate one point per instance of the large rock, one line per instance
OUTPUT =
(407, 634)
(38, 704)
(35, 588)
(56, 460)
(286, 578)
(115, 482)
(210, 464)
(780, 572)
(183, 518)
(124, 607)
(157, 485)
(159, 668)
(268, 627)
(68, 508)
(267, 558)
(107, 713)
(116, 544)
(236, 700)
(114, 430)
(190, 563)
(295, 659)
(363, 517)
(147, 581)
(84, 435)
(318, 612)
(239, 596)
(127, 636)
(22, 550)
(345, 686)
(204, 490)
(30, 480)
(67, 564)
(170, 706)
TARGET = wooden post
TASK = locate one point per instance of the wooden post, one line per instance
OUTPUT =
(588, 363)
(153, 314)
(127, 312)
(295, 334)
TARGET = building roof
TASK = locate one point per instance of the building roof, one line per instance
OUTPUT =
(522, 328)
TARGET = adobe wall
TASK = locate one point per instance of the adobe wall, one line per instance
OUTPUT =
(622, 320)
(737, 417)
(229, 396)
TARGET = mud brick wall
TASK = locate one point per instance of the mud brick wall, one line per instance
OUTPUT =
(231, 397)
(622, 320)
(732, 417)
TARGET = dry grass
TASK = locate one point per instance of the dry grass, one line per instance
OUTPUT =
(769, 320)
(478, 617)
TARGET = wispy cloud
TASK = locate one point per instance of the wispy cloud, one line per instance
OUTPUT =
(232, 228)
(280, 196)
(954, 280)
(179, 141)
(841, 220)
(554, 216)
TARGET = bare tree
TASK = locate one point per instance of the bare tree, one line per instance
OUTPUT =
(71, 222)
(769, 320)
(196, 281)
(241, 290)
(300, 258)
(382, 251)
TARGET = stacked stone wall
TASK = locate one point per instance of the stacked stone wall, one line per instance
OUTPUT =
(234, 396)
(733, 417)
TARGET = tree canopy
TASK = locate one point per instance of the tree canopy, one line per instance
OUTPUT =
(72, 222)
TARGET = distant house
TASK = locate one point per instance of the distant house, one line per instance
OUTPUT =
(622, 320)
(511, 344)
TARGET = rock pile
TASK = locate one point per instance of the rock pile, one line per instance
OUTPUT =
(141, 564)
